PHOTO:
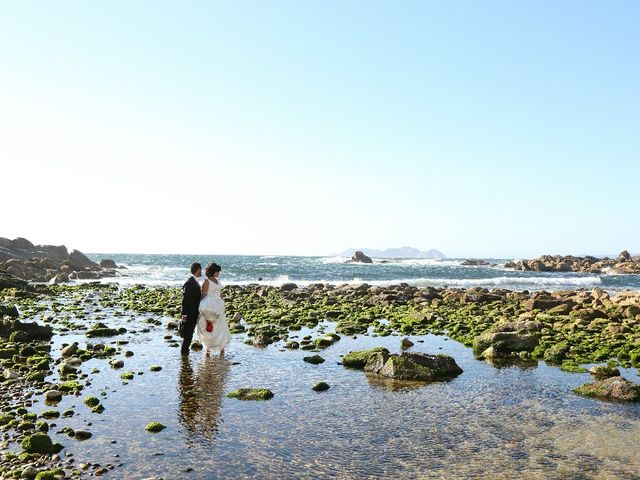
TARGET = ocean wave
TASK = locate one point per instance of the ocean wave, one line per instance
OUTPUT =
(506, 281)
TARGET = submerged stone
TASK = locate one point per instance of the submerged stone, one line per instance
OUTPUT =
(251, 394)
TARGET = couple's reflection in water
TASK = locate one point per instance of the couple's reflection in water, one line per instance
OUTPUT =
(201, 386)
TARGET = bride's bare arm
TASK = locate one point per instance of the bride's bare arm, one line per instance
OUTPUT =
(205, 289)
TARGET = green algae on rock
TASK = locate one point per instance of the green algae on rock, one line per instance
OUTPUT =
(154, 427)
(251, 394)
(612, 388)
(359, 359)
(40, 443)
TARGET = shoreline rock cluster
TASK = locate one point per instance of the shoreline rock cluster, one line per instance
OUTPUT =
(623, 264)
(50, 263)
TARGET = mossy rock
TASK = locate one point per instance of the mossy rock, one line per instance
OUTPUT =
(39, 443)
(91, 401)
(321, 387)
(572, 367)
(155, 368)
(50, 414)
(314, 359)
(154, 427)
(359, 358)
(127, 375)
(612, 388)
(251, 394)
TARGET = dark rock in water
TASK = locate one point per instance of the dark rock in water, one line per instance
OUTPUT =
(287, 287)
(473, 262)
(53, 396)
(406, 343)
(251, 394)
(8, 311)
(24, 331)
(321, 387)
(604, 371)
(359, 358)
(612, 388)
(314, 359)
(360, 257)
(107, 263)
(413, 366)
(81, 435)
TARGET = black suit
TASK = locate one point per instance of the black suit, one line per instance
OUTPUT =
(190, 303)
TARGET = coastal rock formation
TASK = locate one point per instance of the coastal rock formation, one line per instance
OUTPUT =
(413, 366)
(507, 339)
(624, 264)
(613, 388)
(47, 263)
(475, 262)
(360, 257)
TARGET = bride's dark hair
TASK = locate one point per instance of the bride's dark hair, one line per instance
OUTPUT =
(212, 268)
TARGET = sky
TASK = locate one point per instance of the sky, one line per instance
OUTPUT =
(480, 128)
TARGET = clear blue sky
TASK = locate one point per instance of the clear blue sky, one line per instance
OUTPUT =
(494, 128)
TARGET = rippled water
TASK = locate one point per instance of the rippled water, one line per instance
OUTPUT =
(487, 423)
(238, 269)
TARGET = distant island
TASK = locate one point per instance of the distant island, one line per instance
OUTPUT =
(401, 252)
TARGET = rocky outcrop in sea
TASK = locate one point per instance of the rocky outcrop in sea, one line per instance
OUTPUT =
(49, 263)
(623, 264)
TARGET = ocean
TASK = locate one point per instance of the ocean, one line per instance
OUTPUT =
(276, 270)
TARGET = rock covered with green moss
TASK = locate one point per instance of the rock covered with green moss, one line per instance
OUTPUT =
(359, 358)
(613, 388)
(154, 427)
(413, 366)
(251, 394)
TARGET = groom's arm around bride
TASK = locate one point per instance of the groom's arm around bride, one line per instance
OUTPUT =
(190, 304)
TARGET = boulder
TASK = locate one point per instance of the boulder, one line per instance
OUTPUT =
(359, 358)
(612, 388)
(360, 257)
(601, 372)
(108, 263)
(507, 339)
(59, 278)
(24, 331)
(251, 394)
(413, 366)
(624, 256)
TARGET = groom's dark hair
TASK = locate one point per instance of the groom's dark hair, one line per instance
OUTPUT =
(195, 266)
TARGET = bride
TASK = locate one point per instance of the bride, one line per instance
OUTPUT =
(212, 328)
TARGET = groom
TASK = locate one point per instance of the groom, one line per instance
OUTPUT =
(190, 304)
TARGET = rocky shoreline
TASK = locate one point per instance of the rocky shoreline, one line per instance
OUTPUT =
(50, 263)
(623, 264)
(563, 328)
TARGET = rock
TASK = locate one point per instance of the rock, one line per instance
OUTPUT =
(29, 472)
(69, 350)
(107, 263)
(155, 368)
(154, 427)
(24, 331)
(406, 343)
(53, 396)
(39, 443)
(624, 256)
(8, 374)
(474, 262)
(359, 359)
(360, 257)
(321, 387)
(287, 287)
(415, 366)
(505, 341)
(251, 394)
(8, 311)
(556, 353)
(116, 363)
(612, 388)
(82, 435)
(314, 359)
(604, 371)
(59, 278)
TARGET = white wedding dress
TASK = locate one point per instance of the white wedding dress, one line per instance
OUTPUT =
(212, 310)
